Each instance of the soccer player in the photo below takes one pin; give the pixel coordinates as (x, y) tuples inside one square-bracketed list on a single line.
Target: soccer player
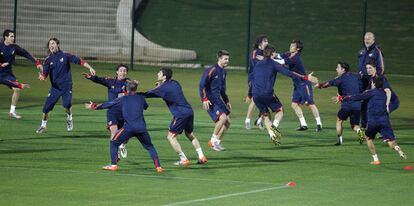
[(257, 55), (370, 52), (302, 90), (8, 51), (263, 93), (347, 84), (116, 88), (393, 101), (133, 106), (183, 116), (378, 118), (215, 100), (57, 66)]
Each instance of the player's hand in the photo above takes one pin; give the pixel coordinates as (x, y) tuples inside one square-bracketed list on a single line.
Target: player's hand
[(41, 77), (337, 99), (86, 75), (92, 71), (248, 99), (4, 64), (40, 67), (90, 105), (259, 57), (318, 85), (229, 105), (25, 86), (206, 104), (312, 78)]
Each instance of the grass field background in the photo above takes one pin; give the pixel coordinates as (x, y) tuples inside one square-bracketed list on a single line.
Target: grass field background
[(63, 168)]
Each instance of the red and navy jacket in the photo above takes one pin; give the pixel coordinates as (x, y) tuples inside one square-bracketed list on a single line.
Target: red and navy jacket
[(171, 92), (114, 85), (295, 64), (7, 55), (366, 54), (213, 84), (348, 84), (265, 76), (377, 108), (133, 106), (387, 85), (57, 67)]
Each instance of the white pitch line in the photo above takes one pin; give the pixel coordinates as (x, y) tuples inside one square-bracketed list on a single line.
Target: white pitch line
[(155, 176), (225, 196)]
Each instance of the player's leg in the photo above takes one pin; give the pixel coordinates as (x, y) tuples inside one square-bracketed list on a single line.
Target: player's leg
[(67, 105), (308, 96), (118, 138), (250, 110), (14, 100), (299, 113), (220, 127), (50, 103), (355, 118), (370, 133), (189, 128), (339, 131), (387, 134), (145, 140)]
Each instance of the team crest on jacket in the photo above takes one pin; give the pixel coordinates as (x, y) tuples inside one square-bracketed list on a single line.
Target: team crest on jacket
[(110, 123), (13, 52), (61, 59), (215, 77), (217, 112), (370, 55), (51, 63)]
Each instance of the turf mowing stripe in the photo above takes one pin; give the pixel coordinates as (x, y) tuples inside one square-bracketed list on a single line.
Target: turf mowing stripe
[(138, 175), (225, 196)]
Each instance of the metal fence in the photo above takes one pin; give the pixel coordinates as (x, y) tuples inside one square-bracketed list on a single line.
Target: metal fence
[(191, 31)]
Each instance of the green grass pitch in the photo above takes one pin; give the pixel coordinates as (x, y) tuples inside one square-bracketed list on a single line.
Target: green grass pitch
[(63, 168)]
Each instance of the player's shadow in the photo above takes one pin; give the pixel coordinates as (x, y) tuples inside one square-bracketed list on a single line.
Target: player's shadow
[(24, 151)]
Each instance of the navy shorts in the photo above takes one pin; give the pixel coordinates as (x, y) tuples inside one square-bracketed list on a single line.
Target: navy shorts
[(55, 94), (303, 94), (9, 80), (114, 117), (180, 124), (384, 128), (264, 102), (217, 109), (354, 114)]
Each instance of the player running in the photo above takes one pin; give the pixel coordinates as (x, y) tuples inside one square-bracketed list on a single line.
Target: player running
[(183, 116), (215, 100), (263, 93), (57, 67), (378, 118), (302, 90), (116, 88), (348, 84), (8, 51), (257, 55), (133, 106)]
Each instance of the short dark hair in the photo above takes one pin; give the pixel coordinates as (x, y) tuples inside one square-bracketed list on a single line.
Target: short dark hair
[(122, 65), (299, 44), (259, 40), (344, 65), (378, 81), (167, 72), (131, 86), (7, 32), (269, 50), (222, 53), (372, 63)]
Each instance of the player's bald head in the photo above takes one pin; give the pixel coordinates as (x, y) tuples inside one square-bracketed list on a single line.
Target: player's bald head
[(369, 39)]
